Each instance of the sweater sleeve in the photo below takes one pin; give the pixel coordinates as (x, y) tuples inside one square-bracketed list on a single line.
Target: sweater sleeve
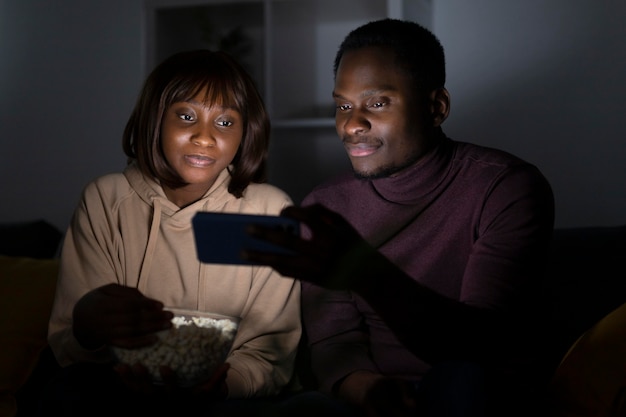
[(336, 335), (85, 264), (512, 233)]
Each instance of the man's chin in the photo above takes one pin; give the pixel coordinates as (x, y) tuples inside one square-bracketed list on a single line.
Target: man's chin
[(370, 175), (377, 173)]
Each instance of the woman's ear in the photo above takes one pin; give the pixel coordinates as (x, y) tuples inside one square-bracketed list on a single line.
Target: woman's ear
[(439, 106)]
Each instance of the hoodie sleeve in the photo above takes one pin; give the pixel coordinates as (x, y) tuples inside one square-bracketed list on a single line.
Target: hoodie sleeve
[(264, 352), (263, 357), (86, 263)]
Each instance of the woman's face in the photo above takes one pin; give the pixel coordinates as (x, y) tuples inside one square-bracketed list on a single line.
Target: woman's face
[(199, 141)]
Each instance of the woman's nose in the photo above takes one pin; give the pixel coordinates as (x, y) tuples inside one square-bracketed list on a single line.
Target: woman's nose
[(203, 137)]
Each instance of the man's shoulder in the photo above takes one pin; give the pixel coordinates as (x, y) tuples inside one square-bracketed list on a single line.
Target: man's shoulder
[(489, 168), (489, 163), (485, 154), (336, 187)]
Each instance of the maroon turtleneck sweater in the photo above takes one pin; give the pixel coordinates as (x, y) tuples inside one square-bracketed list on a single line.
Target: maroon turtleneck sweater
[(471, 223)]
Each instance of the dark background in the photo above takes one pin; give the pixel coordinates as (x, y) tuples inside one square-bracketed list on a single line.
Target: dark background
[(542, 79)]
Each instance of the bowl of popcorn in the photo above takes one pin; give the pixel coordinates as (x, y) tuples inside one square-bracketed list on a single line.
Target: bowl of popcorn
[(194, 347)]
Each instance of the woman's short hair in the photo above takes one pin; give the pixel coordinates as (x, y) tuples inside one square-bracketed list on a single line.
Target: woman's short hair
[(181, 77)]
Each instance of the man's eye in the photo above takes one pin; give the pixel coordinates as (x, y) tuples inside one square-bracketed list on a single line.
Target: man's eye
[(378, 104), (343, 107)]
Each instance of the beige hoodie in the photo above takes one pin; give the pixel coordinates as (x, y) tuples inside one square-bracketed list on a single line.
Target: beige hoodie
[(126, 231)]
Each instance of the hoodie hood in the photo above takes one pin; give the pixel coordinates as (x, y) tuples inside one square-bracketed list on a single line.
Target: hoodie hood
[(166, 214)]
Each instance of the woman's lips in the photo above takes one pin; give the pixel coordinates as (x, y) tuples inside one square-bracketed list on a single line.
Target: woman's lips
[(200, 161)]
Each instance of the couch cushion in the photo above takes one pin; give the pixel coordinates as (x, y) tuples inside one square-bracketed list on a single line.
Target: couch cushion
[(27, 286)]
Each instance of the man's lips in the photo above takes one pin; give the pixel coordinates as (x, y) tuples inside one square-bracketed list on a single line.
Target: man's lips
[(199, 160), (361, 149)]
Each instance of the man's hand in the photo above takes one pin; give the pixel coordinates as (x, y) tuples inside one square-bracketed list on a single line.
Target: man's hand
[(330, 249), (378, 395), (391, 397)]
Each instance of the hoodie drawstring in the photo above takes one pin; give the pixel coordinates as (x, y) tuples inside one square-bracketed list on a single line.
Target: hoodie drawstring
[(152, 240)]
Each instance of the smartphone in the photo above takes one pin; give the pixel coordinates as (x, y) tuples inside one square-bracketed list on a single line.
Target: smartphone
[(221, 237)]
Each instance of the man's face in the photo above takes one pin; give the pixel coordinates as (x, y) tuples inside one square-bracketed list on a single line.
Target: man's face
[(382, 125)]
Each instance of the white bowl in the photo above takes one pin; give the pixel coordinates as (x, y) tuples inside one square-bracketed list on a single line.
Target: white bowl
[(196, 345)]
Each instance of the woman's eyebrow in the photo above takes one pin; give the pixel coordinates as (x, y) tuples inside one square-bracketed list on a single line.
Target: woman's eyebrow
[(207, 104)]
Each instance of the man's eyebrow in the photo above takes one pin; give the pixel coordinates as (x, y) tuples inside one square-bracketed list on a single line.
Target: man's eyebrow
[(371, 92)]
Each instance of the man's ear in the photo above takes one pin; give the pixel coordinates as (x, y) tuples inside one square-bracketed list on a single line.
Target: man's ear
[(439, 106)]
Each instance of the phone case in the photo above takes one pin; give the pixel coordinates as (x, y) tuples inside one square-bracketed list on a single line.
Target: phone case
[(220, 237)]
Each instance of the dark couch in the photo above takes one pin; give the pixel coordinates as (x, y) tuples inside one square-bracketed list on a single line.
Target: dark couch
[(586, 279), (28, 271)]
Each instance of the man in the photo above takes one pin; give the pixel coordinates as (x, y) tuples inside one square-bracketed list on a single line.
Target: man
[(420, 270)]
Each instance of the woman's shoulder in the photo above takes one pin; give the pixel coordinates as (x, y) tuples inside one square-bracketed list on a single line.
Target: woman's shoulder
[(265, 190), (112, 181), (107, 189), (265, 198)]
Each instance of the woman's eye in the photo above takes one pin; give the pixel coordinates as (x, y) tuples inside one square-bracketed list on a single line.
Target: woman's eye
[(185, 116), (225, 123)]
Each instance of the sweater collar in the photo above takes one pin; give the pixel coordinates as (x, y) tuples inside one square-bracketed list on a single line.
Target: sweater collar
[(420, 179)]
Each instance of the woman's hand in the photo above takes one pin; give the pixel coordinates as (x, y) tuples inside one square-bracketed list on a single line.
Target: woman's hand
[(136, 378), (119, 316)]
